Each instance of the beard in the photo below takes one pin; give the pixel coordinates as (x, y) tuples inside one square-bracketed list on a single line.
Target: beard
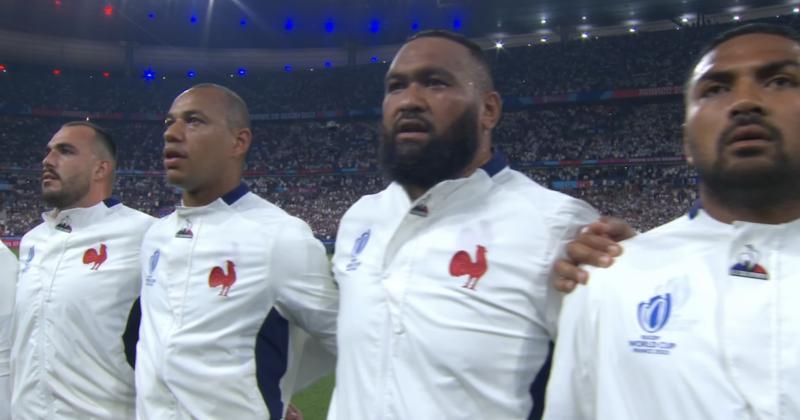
[(424, 164), (70, 193), (756, 188)]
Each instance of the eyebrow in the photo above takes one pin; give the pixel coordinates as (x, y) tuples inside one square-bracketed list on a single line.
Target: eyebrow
[(187, 113), (417, 73), (727, 76)]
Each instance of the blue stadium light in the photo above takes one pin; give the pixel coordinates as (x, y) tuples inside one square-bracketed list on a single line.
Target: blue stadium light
[(287, 68), (151, 15), (191, 74), (328, 64), (414, 26), (193, 19), (329, 26), (373, 59), (374, 26), (456, 24), (288, 25), (149, 74), (242, 71), (243, 22)]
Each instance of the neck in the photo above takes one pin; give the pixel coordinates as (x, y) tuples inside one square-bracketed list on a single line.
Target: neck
[(764, 207), (204, 196)]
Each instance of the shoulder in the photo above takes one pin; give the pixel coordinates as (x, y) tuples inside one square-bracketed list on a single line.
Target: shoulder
[(133, 216)]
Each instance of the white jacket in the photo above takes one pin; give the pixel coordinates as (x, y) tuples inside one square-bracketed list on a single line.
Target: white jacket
[(8, 281), (447, 306), (222, 286), (697, 320), (78, 279)]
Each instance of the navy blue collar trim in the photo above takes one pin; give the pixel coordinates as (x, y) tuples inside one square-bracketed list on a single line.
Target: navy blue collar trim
[(695, 210), (111, 201), (497, 163), (235, 194)]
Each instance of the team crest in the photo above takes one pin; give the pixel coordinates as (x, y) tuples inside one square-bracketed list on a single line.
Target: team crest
[(94, 257), (358, 247), (186, 231), (462, 265), (64, 225), (150, 280), (218, 278), (747, 265)]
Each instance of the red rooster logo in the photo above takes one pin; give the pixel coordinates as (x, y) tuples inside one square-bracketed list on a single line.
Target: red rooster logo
[(462, 264), (96, 259), (217, 277)]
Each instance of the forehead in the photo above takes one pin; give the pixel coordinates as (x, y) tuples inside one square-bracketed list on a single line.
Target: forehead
[(78, 136), (747, 52), (205, 100), (431, 53)]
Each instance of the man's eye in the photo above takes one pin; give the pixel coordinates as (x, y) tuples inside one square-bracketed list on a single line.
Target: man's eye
[(713, 90), (782, 81)]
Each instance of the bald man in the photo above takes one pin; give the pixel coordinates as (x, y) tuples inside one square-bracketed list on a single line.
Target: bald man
[(226, 279), (78, 282)]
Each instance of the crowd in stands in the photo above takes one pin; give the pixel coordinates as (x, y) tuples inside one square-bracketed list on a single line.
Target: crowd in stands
[(315, 169)]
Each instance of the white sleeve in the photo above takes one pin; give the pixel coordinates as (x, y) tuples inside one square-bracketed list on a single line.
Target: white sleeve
[(306, 293), (567, 223), (571, 390), (8, 282)]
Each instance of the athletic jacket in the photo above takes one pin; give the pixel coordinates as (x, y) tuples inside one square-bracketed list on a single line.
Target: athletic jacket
[(8, 281), (222, 284), (78, 280), (697, 320), (447, 306)]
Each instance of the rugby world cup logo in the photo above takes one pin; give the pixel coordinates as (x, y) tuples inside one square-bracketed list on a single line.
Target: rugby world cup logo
[(654, 314)]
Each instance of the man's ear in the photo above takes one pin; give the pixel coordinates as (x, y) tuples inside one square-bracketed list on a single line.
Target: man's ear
[(242, 140), (492, 108)]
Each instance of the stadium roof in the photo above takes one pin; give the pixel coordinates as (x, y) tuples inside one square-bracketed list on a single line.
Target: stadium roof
[(333, 23)]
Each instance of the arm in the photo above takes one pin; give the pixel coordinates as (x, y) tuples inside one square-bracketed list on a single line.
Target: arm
[(305, 291), (597, 245), (571, 391)]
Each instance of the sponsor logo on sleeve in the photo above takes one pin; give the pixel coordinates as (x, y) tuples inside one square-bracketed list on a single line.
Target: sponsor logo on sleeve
[(29, 258)]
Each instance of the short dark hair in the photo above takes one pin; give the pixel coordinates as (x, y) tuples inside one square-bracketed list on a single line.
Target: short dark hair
[(474, 49), (748, 29), (102, 135), (238, 116)]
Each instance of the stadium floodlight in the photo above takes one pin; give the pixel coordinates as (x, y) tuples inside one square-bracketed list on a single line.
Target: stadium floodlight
[(191, 74), (685, 19), (632, 30), (585, 35), (543, 39), (736, 18), (149, 74), (543, 21), (796, 10), (498, 44), (583, 18), (242, 72)]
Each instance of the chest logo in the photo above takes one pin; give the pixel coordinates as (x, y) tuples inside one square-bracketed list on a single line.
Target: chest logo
[(358, 247), (747, 265), (218, 277), (150, 280), (64, 225), (186, 231), (95, 258), (462, 264), (654, 314)]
